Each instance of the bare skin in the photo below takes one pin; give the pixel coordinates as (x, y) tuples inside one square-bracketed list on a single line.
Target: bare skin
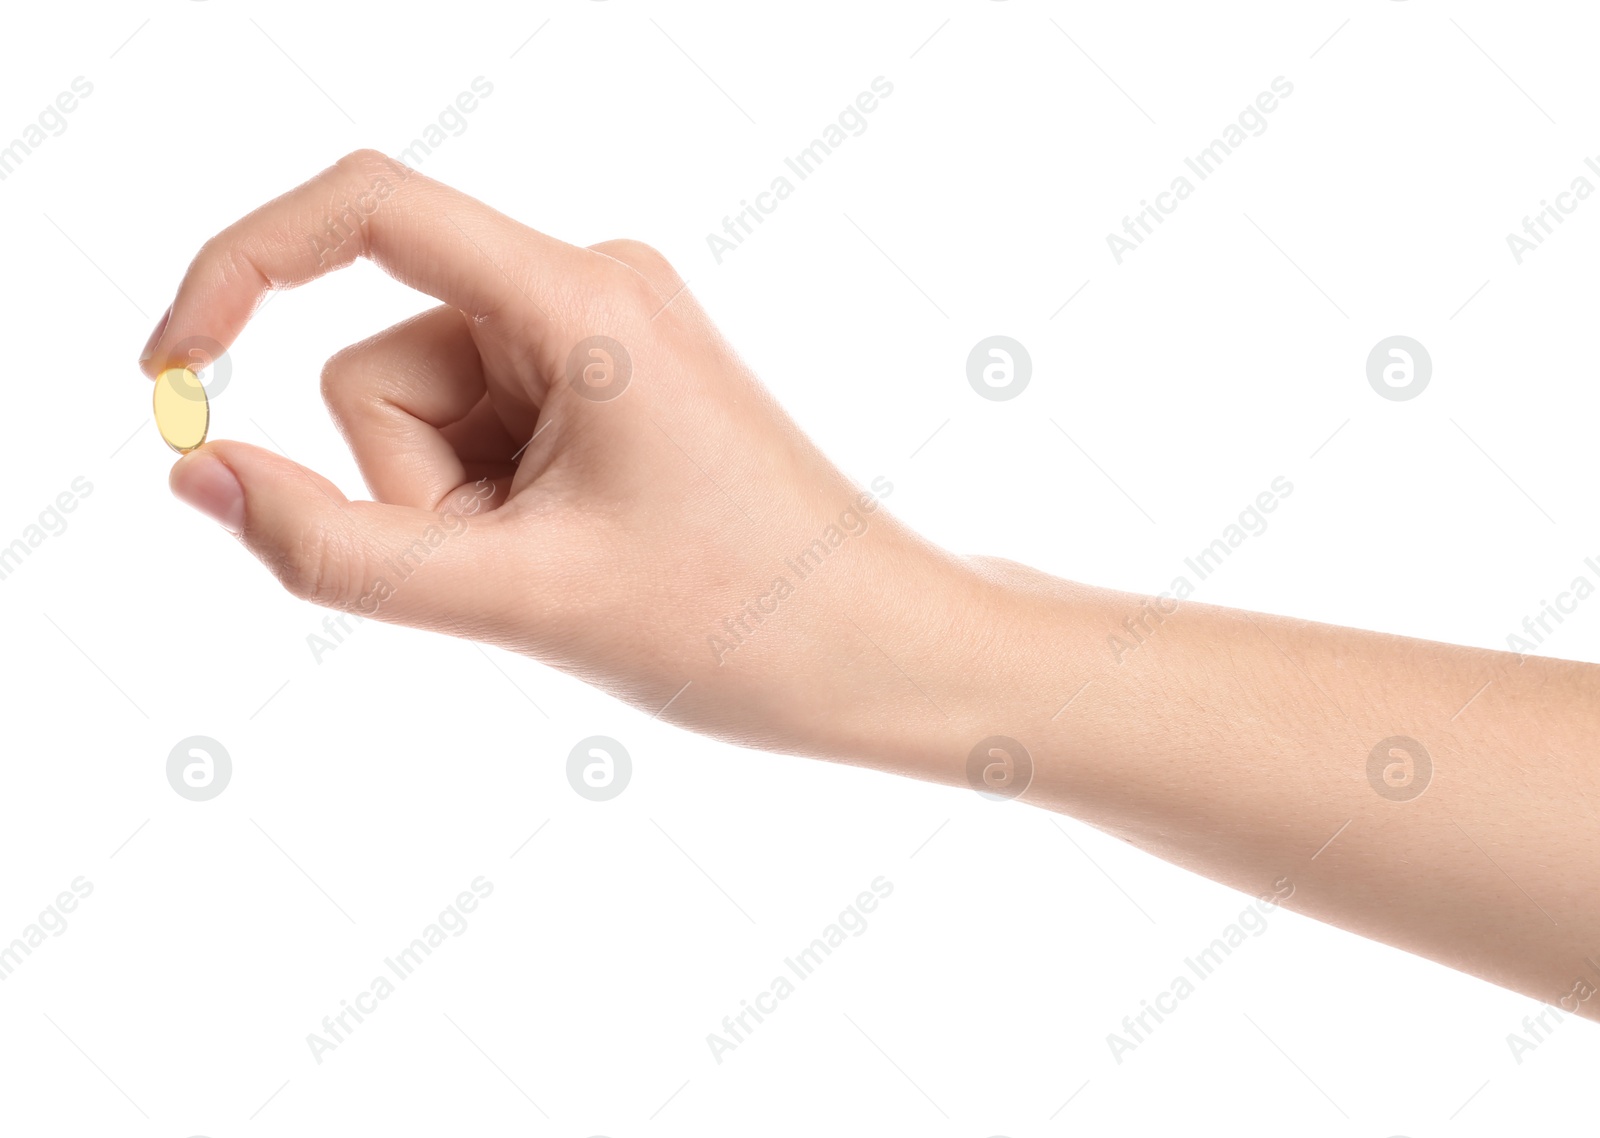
[(637, 539)]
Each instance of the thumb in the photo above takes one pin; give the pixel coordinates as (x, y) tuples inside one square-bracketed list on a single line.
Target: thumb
[(398, 563)]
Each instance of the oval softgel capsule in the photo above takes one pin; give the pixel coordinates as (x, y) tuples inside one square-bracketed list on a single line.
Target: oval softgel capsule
[(182, 411)]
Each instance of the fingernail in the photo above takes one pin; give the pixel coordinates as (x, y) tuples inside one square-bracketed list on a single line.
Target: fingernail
[(150, 345), (206, 483)]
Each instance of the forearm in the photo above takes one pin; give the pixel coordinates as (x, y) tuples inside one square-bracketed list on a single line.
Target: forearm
[(1240, 746)]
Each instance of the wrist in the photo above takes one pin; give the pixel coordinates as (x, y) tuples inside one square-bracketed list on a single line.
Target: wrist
[(963, 671)]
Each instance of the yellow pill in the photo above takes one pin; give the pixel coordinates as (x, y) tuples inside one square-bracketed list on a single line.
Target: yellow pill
[(182, 411)]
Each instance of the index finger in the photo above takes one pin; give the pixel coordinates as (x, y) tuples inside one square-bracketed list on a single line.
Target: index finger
[(421, 232)]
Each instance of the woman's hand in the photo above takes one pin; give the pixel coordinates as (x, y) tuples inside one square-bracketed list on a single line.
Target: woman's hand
[(566, 460)]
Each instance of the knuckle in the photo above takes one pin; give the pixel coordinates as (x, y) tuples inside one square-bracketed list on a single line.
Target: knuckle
[(624, 289), (637, 274), (364, 161), (220, 258), (645, 258), (317, 568), (336, 374), (636, 294), (227, 257)]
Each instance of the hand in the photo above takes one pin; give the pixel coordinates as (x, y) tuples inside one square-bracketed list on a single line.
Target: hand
[(637, 511)]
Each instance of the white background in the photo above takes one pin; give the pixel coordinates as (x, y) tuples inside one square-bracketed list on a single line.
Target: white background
[(372, 787)]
